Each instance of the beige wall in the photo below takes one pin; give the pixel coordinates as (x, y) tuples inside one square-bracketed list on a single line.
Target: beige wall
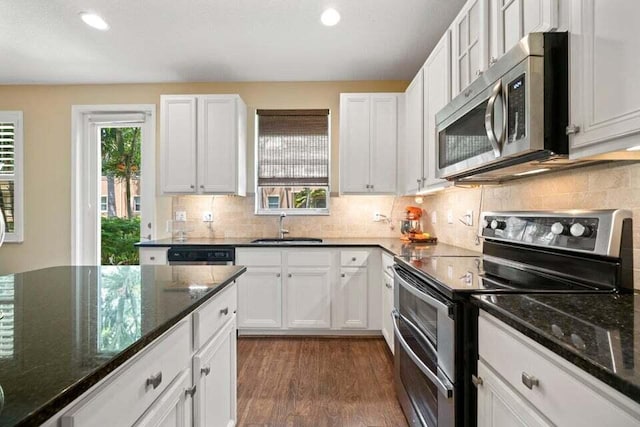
[(606, 186), (47, 137)]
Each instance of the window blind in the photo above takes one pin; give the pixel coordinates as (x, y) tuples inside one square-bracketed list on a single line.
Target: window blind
[(7, 148), (7, 172), (293, 148)]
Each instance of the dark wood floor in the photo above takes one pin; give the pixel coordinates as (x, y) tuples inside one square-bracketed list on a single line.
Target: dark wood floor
[(316, 382)]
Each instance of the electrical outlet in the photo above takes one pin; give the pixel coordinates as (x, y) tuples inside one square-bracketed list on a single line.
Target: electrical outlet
[(376, 217), (468, 216), (207, 216), (181, 215), (434, 218), (450, 217)]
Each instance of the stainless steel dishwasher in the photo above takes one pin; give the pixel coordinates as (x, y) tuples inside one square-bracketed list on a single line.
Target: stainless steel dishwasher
[(201, 255)]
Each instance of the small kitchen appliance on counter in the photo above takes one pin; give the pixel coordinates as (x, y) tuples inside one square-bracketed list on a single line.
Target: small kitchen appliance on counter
[(435, 320), (411, 226)]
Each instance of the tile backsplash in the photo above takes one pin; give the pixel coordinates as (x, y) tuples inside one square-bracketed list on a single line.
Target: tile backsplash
[(351, 216)]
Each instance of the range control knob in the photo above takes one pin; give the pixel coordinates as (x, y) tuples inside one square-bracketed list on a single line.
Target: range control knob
[(498, 225), (558, 228), (579, 230)]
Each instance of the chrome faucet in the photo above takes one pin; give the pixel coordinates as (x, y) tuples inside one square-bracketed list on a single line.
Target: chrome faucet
[(282, 230)]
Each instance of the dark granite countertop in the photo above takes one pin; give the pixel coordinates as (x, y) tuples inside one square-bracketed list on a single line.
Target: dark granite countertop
[(600, 333), (66, 328), (393, 246)]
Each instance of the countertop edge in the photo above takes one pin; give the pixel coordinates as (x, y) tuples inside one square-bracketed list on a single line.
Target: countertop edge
[(601, 373), (69, 395)]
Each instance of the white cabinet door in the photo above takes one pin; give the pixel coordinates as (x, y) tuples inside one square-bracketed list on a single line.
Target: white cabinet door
[(308, 294), (214, 371), (353, 298), (605, 95), (470, 35), (260, 298), (355, 134), (387, 308), (437, 93), (217, 144), (500, 406), (517, 18), (173, 408), (412, 161), (153, 256), (384, 143), (178, 133)]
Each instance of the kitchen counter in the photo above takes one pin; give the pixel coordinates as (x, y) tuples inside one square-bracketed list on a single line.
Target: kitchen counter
[(608, 334), (393, 246), (66, 328)]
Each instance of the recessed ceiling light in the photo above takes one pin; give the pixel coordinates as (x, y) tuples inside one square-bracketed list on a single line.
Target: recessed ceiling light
[(94, 21), (636, 148), (330, 17), (531, 172)]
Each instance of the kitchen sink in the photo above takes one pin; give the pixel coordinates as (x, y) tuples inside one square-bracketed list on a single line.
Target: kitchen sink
[(288, 240)]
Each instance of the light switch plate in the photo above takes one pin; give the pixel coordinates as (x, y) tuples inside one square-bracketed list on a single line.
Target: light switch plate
[(181, 215), (450, 217), (207, 216)]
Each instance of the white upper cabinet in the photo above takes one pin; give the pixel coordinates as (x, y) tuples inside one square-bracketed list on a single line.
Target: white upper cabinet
[(605, 95), (203, 144), (437, 94), (470, 38), (368, 142), (514, 19), (411, 165)]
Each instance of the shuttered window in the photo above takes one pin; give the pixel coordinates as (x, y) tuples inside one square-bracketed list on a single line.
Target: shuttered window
[(11, 173), (293, 160)]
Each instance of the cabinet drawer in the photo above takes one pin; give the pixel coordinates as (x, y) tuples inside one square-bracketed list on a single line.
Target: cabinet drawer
[(387, 263), (565, 394), (153, 256), (259, 257), (125, 396), (213, 315), (309, 258), (353, 258)]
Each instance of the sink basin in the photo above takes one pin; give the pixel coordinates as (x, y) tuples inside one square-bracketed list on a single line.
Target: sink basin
[(288, 240)]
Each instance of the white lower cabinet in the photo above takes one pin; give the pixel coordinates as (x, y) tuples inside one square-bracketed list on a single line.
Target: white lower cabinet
[(352, 297), (153, 256), (308, 294), (260, 298), (157, 386), (387, 308), (173, 408), (523, 383), (214, 368)]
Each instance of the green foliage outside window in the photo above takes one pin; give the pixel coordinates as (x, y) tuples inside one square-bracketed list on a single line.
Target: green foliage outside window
[(118, 238)]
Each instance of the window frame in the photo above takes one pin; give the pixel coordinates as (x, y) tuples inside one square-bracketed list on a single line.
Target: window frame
[(106, 203), (17, 236), (139, 204), (290, 211)]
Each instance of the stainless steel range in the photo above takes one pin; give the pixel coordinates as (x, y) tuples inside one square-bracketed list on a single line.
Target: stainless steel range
[(523, 252)]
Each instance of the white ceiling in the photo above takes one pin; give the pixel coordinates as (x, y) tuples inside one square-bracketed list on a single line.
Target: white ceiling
[(44, 41)]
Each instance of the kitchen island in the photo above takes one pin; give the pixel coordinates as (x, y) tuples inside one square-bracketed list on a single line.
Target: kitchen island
[(65, 329)]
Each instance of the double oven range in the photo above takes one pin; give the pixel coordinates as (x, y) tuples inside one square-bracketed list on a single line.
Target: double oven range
[(435, 320)]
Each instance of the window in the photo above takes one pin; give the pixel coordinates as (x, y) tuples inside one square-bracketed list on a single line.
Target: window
[(104, 203), (11, 173), (292, 162), (136, 203)]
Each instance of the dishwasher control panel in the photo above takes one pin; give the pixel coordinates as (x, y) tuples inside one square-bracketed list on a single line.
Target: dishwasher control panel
[(201, 255)]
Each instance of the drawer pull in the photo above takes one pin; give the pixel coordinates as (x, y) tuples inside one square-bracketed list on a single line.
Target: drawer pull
[(353, 259), (289, 275), (154, 380), (343, 275), (224, 311), (477, 381), (206, 370), (389, 267), (190, 391), (152, 258), (530, 381), (388, 285), (277, 274)]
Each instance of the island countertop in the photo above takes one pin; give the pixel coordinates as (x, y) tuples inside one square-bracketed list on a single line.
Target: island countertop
[(66, 328)]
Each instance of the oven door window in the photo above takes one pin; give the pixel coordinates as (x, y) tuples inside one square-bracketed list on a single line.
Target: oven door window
[(421, 391), (423, 315)]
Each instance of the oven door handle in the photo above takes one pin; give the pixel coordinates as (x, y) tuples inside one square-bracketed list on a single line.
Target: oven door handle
[(488, 120), (444, 386)]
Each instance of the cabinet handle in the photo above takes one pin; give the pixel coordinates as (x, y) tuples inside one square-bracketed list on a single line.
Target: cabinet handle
[(206, 370), (343, 275), (478, 73), (278, 275), (572, 129), (477, 381), (388, 285), (389, 267), (224, 311), (492, 60), (289, 275), (152, 258), (202, 186), (154, 380), (530, 381), (192, 186), (354, 259), (190, 391), (467, 93)]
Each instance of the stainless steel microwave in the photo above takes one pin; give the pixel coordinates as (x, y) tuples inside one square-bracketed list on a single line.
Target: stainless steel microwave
[(512, 120)]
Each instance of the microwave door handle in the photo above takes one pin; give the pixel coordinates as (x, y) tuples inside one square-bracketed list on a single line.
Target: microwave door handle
[(489, 116), (445, 388)]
